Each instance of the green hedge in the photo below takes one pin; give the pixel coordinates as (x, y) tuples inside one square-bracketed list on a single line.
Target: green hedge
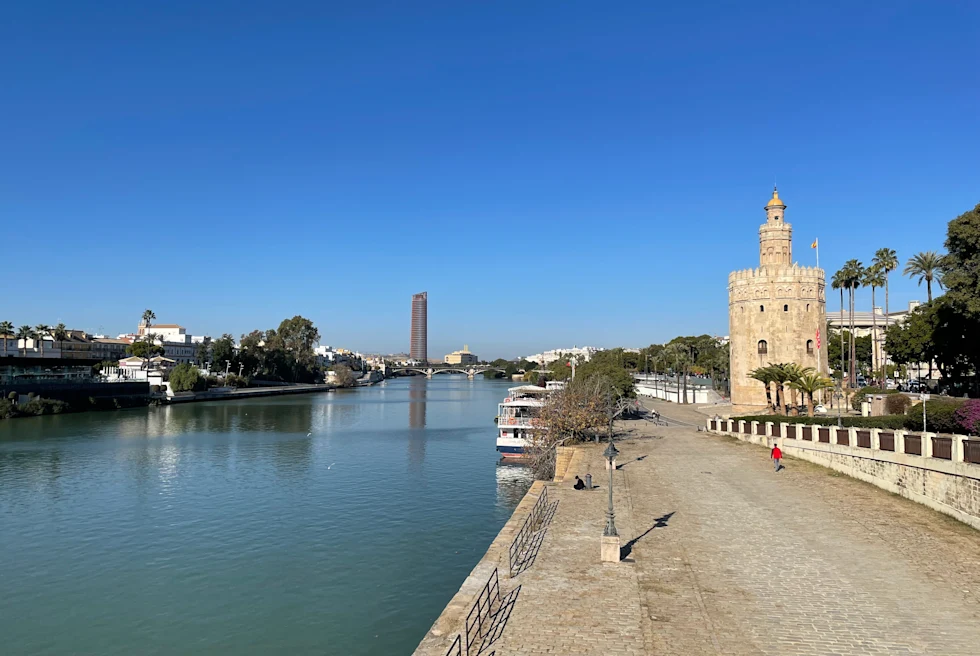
[(892, 422), (940, 416)]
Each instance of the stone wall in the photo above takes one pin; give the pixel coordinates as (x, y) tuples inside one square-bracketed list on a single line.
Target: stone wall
[(883, 458)]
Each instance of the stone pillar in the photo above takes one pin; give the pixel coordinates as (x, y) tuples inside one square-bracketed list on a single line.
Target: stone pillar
[(769, 429), (958, 448), (899, 441), (741, 425), (927, 444), (852, 436), (833, 435), (876, 439), (609, 551)]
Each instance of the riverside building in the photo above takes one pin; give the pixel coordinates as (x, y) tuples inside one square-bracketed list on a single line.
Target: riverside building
[(776, 312), (419, 349)]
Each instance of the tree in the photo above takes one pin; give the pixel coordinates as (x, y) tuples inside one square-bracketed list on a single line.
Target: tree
[(148, 318), (145, 349), (874, 277), (853, 271), (202, 351), (910, 342), (839, 281), (6, 330), (766, 376), (41, 330), (25, 333), (786, 374), (223, 352), (926, 266), (887, 261), (343, 376), (60, 332), (186, 378), (809, 383), (618, 378), (959, 314)]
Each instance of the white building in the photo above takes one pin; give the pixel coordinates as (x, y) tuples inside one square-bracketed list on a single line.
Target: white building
[(583, 354), (177, 344), (875, 324)]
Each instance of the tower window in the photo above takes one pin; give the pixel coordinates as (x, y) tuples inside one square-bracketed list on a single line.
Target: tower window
[(763, 347), (807, 307), (762, 308), (809, 347), (785, 308)]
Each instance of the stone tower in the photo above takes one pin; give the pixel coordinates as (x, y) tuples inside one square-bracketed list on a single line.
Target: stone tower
[(777, 312)]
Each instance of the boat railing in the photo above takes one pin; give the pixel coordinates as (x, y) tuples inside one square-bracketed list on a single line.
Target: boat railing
[(520, 422)]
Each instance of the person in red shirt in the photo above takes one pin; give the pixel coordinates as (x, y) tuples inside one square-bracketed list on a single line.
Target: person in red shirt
[(776, 455)]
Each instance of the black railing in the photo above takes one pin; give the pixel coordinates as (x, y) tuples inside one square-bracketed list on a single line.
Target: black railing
[(519, 554), (457, 648), (479, 621)]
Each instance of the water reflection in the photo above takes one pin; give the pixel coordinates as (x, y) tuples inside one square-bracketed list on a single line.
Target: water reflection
[(513, 481), (416, 423)]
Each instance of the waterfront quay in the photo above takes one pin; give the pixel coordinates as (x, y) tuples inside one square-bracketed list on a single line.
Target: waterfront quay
[(722, 555)]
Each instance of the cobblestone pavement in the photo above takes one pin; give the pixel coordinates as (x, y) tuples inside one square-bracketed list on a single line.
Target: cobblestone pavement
[(729, 557)]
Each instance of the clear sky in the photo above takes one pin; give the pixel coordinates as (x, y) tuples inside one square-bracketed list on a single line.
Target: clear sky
[(552, 173)]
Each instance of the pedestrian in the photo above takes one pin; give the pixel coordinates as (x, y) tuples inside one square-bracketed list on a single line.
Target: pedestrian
[(776, 455), (579, 484)]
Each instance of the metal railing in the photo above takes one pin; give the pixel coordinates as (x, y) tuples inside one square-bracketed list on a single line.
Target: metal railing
[(519, 422), (535, 520), (971, 451), (457, 647), (480, 618), (942, 447)]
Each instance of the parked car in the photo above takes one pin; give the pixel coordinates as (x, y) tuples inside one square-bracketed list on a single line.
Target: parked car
[(819, 409)]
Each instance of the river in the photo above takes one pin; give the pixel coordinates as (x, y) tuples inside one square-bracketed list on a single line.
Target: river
[(336, 523)]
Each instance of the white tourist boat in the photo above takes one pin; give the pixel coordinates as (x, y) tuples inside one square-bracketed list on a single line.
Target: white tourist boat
[(517, 417)]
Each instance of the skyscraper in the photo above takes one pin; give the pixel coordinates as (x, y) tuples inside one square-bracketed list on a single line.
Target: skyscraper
[(420, 334)]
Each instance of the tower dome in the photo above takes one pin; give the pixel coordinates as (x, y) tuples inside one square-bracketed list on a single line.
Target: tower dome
[(775, 201)]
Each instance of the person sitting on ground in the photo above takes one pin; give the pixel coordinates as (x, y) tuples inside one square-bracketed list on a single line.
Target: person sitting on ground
[(579, 483)]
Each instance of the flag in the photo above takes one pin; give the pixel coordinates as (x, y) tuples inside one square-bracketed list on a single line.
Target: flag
[(814, 244), (818, 338)]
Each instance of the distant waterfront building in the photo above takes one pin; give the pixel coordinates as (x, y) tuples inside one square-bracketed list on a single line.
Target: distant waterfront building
[(584, 354), (462, 357), (776, 312), (419, 349), (177, 344)]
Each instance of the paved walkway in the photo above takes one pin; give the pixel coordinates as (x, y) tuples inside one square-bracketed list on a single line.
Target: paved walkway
[(729, 557)]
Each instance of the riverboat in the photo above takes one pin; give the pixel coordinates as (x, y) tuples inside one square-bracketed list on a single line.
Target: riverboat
[(518, 417)]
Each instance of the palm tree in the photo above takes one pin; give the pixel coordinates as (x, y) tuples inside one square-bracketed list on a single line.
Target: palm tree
[(854, 272), (786, 374), (874, 277), (809, 383), (148, 317), (839, 281), (6, 330), (925, 266), (887, 260), (25, 333), (766, 376), (60, 332), (40, 330)]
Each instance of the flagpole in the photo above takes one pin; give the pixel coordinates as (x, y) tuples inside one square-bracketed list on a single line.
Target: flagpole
[(818, 252)]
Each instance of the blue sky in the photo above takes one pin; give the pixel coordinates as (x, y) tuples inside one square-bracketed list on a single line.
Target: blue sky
[(552, 173)]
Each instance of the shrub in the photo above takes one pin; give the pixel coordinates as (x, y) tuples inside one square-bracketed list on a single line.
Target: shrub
[(212, 381), (890, 422), (186, 378), (897, 404), (234, 380), (42, 407), (968, 416), (12, 397), (155, 389), (7, 409), (940, 416)]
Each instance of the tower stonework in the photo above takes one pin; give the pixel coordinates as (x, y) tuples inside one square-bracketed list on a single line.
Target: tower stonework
[(776, 311)]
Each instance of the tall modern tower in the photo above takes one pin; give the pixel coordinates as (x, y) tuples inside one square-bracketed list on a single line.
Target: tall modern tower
[(420, 333)]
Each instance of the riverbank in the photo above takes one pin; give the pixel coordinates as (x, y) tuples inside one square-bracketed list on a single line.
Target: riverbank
[(247, 392), (720, 554)]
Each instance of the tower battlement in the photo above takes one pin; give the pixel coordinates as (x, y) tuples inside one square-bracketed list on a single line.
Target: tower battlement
[(769, 272)]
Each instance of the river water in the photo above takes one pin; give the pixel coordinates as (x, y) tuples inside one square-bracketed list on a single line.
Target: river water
[(336, 523)]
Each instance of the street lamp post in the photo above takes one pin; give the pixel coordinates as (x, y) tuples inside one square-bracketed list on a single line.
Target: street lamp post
[(610, 453), (610, 551), (838, 396)]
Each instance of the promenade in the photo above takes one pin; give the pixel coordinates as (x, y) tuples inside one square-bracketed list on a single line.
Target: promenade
[(727, 557)]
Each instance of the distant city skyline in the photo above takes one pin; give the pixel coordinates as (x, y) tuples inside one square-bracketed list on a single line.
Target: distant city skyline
[(553, 174)]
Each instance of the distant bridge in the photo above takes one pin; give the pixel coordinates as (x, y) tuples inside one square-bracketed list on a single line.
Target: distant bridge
[(430, 371)]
